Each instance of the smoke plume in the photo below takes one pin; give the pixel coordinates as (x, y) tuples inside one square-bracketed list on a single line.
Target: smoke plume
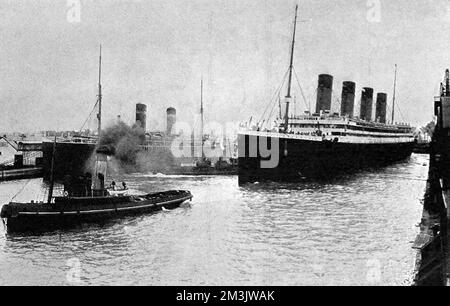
[(123, 141)]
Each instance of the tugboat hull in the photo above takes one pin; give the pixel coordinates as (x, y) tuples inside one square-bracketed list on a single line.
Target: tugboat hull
[(71, 212), (304, 159)]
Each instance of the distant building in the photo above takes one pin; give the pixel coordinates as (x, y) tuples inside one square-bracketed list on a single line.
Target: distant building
[(7, 151)]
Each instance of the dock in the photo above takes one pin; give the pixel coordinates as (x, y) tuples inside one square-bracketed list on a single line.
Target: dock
[(432, 243), (22, 173)]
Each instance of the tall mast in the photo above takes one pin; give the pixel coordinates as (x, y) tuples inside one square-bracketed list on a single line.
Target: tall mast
[(201, 112), (393, 96), (52, 175), (99, 97), (447, 83), (291, 67)]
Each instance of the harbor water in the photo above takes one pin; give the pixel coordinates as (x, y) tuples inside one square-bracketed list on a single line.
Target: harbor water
[(356, 230)]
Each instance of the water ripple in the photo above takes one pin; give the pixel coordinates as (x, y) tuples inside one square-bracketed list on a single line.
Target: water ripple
[(262, 234)]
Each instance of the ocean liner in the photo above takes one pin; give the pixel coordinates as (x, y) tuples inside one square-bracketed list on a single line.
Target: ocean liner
[(321, 145)]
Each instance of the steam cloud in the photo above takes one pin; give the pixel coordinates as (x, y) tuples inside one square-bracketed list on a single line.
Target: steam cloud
[(123, 141)]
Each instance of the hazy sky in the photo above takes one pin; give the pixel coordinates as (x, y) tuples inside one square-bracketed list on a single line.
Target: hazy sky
[(155, 52)]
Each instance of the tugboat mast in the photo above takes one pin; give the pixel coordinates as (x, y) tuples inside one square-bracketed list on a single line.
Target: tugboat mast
[(99, 97), (291, 67)]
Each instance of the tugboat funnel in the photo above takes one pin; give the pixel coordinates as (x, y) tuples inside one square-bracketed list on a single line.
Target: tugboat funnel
[(101, 167)]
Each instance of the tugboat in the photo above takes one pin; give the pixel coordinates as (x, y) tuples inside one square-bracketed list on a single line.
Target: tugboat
[(68, 212), (85, 200)]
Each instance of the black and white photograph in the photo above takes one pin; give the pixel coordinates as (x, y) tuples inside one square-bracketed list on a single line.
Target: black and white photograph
[(203, 145)]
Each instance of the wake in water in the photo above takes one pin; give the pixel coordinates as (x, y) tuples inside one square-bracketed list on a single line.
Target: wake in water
[(168, 176)]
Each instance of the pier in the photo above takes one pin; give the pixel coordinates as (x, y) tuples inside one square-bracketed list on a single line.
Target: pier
[(432, 243), (22, 173)]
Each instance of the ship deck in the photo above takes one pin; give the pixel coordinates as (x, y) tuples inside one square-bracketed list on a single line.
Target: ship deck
[(328, 136)]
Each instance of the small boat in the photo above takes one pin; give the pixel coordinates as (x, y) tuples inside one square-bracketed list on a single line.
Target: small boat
[(85, 199), (205, 168), (204, 165), (68, 212)]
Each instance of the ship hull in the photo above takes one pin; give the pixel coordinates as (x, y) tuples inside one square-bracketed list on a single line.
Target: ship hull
[(68, 213), (306, 159), (74, 159), (202, 172)]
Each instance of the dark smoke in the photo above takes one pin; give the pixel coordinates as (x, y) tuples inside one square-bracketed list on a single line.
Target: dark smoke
[(123, 141)]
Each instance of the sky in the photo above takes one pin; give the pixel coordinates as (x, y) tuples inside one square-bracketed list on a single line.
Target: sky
[(157, 51)]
